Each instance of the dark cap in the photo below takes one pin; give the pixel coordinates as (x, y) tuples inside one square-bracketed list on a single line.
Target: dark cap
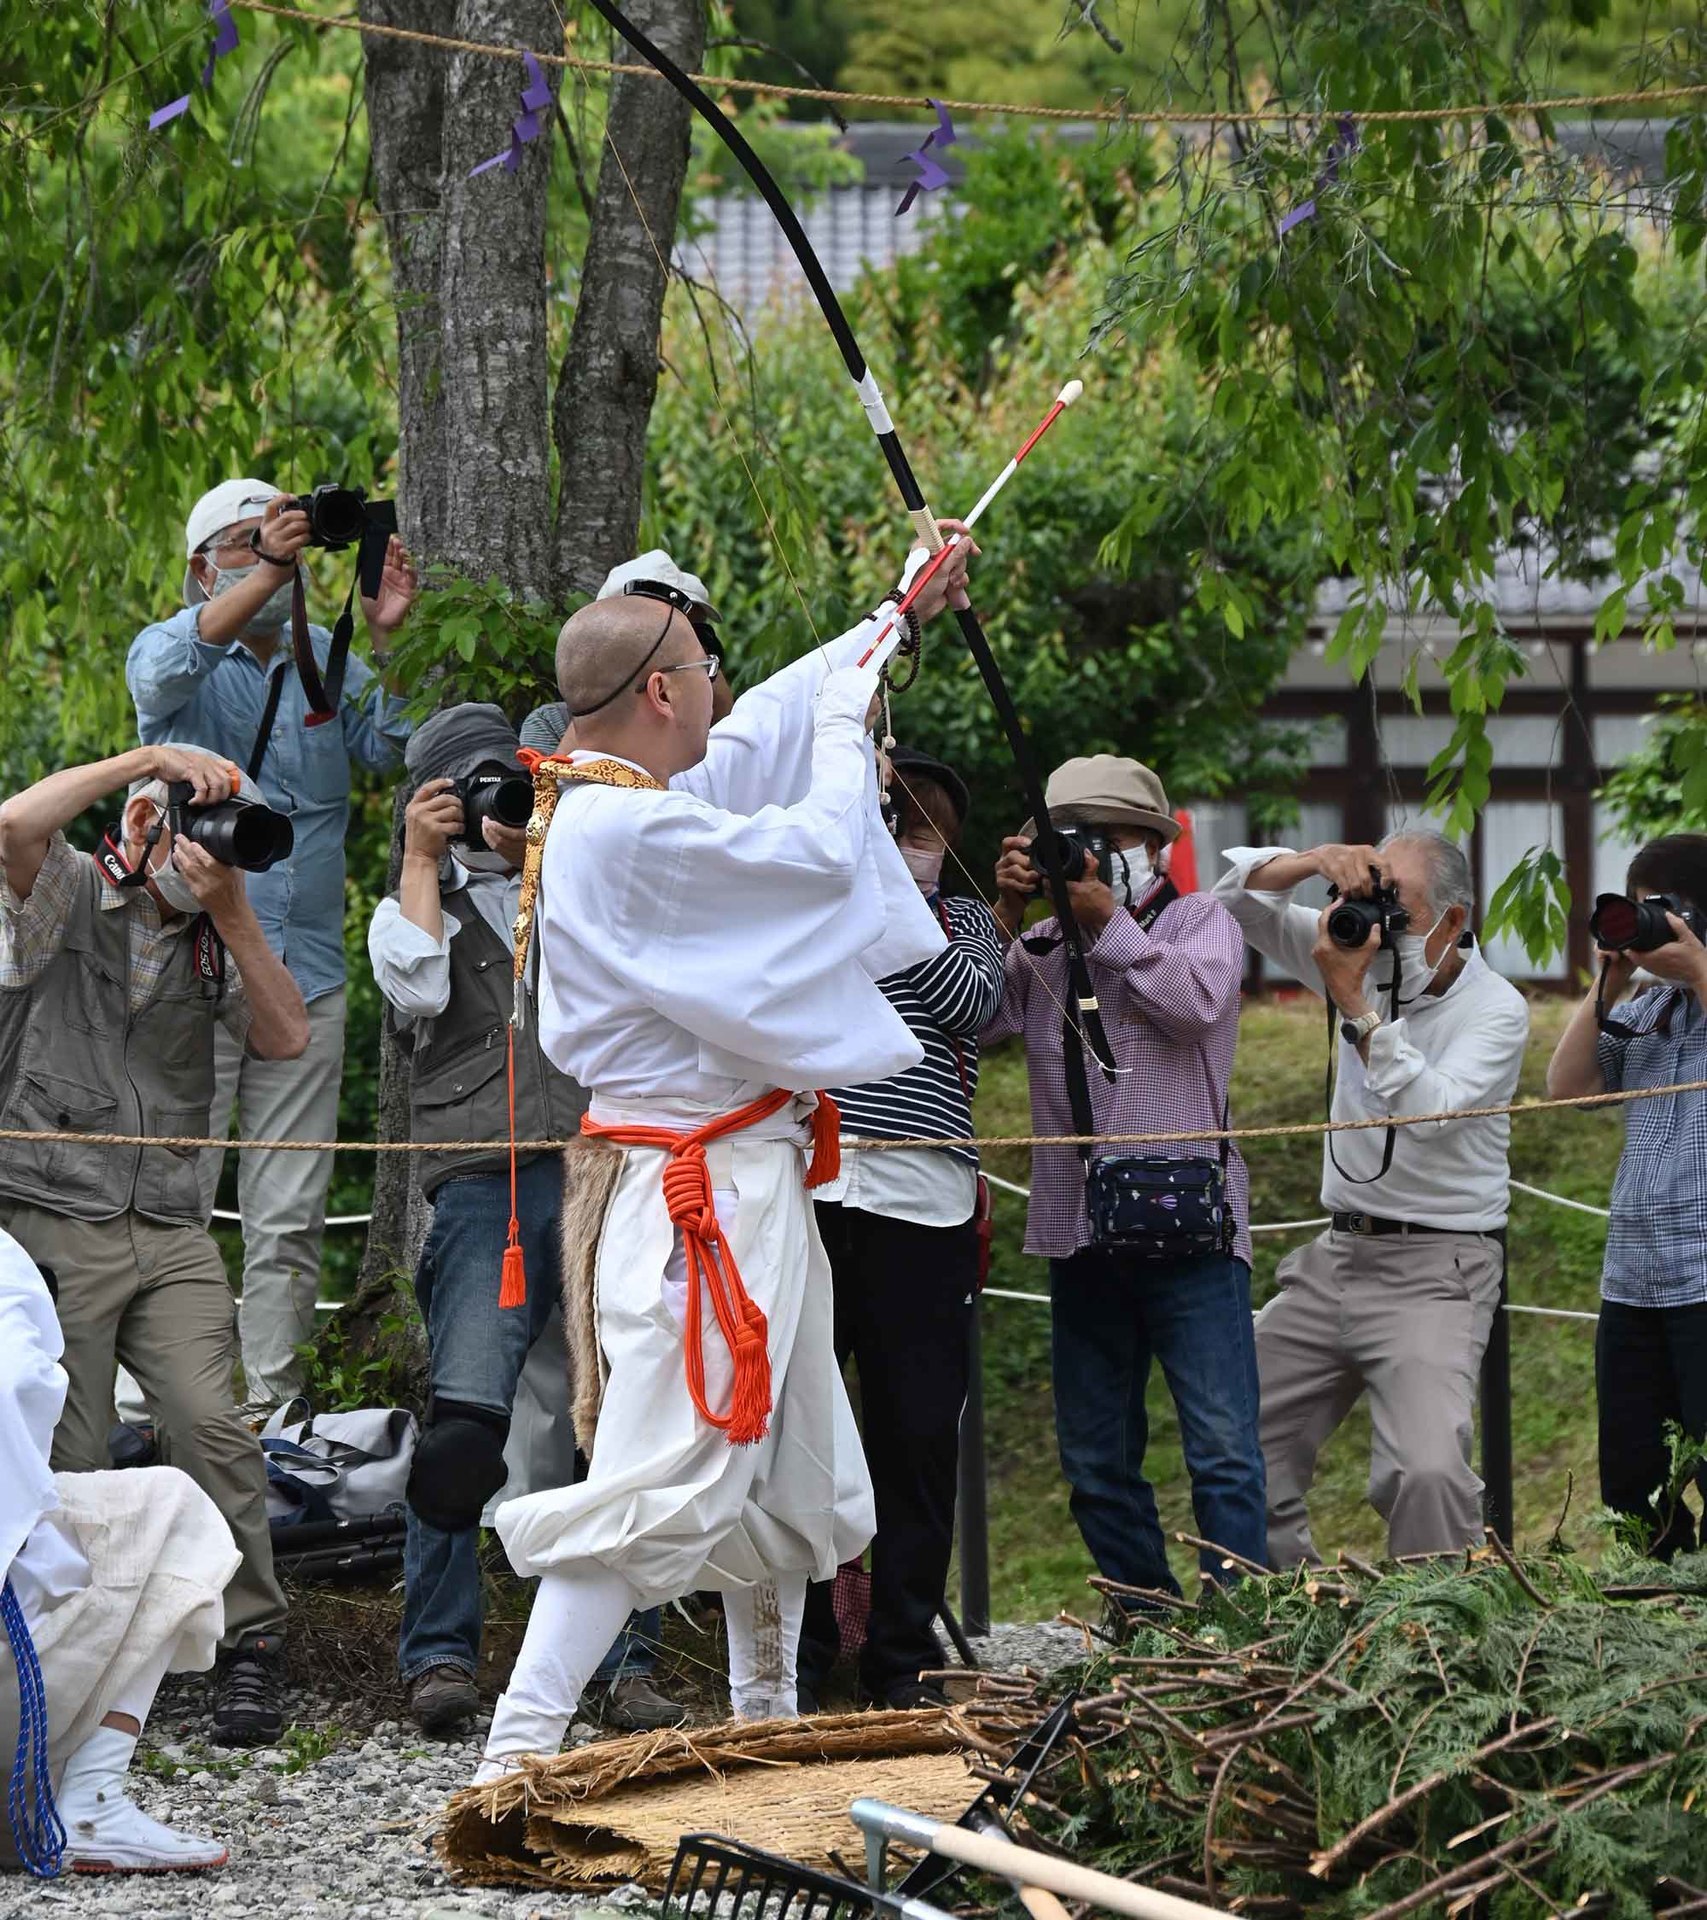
[(459, 740), (913, 762)]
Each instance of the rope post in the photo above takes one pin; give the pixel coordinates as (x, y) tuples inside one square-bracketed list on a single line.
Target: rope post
[(974, 1496), (1497, 1495)]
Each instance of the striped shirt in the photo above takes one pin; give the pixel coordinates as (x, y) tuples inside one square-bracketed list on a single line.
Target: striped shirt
[(944, 1000), (1170, 1005), (1656, 1240)]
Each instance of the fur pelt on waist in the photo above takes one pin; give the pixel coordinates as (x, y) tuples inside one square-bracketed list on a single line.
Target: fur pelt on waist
[(591, 1169)]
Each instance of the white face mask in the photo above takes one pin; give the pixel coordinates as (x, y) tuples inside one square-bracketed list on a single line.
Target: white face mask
[(272, 613), (925, 865), (482, 860), (1410, 951), (1133, 867), (173, 888)]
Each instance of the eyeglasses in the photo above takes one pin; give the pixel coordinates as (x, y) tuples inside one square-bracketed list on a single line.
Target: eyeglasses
[(710, 666)]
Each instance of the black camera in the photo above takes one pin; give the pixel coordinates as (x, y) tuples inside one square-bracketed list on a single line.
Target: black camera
[(238, 833), (1071, 844), (1354, 915), (337, 516), (506, 799), (1622, 925)]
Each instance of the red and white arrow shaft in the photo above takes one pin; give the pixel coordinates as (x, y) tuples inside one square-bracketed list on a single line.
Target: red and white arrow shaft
[(889, 634)]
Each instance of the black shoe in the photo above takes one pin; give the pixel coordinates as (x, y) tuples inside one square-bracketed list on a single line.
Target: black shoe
[(911, 1695), (806, 1698), (442, 1700), (247, 1683)]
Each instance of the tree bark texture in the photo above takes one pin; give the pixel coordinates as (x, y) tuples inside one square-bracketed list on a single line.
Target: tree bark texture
[(610, 373)]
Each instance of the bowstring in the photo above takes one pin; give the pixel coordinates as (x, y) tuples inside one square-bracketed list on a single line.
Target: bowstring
[(951, 853)]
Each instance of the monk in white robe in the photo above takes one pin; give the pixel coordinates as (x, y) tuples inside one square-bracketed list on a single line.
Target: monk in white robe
[(118, 1577), (716, 907)]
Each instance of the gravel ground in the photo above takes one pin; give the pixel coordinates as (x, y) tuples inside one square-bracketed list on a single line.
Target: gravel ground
[(336, 1823)]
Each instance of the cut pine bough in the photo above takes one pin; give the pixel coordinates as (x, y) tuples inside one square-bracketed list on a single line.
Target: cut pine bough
[(889, 635)]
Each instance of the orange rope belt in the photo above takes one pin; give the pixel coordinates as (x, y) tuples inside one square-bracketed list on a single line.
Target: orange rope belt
[(711, 1259)]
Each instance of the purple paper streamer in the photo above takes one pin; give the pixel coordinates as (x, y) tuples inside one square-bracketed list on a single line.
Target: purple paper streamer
[(224, 41), (536, 98), (1344, 144), (931, 175)]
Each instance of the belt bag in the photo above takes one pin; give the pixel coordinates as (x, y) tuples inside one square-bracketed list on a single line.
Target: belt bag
[(1155, 1209)]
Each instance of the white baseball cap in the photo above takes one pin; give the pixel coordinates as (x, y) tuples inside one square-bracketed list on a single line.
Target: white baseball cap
[(221, 507), (657, 568)]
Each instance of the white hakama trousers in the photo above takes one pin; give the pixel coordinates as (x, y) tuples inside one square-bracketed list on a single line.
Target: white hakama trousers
[(669, 1506)]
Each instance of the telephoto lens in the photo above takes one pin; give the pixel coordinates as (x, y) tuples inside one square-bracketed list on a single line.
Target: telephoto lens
[(506, 799), (1620, 924), (239, 833)]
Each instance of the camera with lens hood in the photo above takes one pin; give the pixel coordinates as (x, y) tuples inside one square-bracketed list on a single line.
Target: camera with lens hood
[(237, 833), (1621, 924), (1356, 915), (506, 799), (1071, 844)]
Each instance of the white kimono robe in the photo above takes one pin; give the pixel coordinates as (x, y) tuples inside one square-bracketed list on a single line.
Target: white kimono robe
[(700, 947), (119, 1575)]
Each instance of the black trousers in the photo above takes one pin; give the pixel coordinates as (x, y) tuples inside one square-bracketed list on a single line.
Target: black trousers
[(904, 1304), (1650, 1368)]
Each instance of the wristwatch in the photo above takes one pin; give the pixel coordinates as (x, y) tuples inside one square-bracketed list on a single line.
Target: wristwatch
[(1359, 1030)]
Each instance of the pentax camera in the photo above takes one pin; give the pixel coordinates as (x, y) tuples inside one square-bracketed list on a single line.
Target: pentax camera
[(337, 516), (1071, 844), (238, 833), (1622, 925), (506, 799), (1355, 914)]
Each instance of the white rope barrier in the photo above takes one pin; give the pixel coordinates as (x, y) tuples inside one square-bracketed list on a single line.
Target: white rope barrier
[(1559, 1200)]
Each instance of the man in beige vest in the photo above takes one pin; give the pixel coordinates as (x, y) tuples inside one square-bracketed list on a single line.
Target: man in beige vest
[(115, 969)]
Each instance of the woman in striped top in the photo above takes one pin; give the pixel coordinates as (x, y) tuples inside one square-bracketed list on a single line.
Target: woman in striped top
[(901, 1230)]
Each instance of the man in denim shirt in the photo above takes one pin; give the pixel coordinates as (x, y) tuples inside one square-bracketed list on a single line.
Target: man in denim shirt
[(206, 677), (1650, 1352)]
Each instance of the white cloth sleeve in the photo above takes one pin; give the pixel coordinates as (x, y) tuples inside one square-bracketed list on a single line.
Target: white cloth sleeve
[(410, 966), (1281, 930), (32, 1392), (1476, 1067)]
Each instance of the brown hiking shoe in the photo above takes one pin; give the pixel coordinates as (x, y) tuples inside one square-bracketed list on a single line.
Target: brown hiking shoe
[(442, 1700), (636, 1706)]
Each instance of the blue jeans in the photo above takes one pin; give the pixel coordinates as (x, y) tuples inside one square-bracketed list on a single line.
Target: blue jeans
[(1111, 1315), (477, 1353)]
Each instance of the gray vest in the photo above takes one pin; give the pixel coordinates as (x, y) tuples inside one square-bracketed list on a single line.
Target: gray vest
[(458, 1089), (75, 1059)]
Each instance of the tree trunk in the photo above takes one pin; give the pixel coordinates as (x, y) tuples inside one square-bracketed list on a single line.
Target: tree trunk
[(610, 373)]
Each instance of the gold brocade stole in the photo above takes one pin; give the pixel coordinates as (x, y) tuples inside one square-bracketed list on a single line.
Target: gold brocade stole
[(548, 777)]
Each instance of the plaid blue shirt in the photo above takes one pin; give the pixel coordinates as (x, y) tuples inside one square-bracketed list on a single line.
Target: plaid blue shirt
[(1656, 1241)]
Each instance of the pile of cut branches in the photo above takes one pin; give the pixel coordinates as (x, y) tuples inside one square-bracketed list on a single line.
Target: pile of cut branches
[(1469, 1735)]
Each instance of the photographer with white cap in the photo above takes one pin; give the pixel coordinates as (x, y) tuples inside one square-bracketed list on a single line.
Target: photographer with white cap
[(219, 674), (651, 576)]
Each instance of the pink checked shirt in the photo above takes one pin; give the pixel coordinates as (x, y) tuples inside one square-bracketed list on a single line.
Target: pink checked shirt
[(1170, 1004)]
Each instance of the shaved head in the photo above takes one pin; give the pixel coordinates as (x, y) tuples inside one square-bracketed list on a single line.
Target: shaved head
[(605, 647)]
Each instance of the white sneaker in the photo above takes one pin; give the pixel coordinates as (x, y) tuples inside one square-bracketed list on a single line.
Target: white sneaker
[(116, 1836)]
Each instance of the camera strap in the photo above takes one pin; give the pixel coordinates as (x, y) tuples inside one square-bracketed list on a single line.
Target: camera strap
[(1390, 1138), (264, 732), (116, 870), (325, 695), (210, 951), (1072, 1039)]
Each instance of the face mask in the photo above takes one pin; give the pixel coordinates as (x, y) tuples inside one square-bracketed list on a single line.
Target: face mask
[(1410, 951), (925, 865), (173, 888), (1132, 868), (482, 860), (273, 612)]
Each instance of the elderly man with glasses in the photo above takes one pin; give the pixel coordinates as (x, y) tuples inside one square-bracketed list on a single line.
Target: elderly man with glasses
[(219, 675)]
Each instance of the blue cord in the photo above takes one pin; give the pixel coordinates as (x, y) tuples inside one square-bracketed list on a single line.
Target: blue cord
[(38, 1832)]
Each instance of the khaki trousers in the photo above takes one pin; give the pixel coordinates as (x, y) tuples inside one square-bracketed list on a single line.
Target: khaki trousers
[(156, 1299), (1405, 1318)]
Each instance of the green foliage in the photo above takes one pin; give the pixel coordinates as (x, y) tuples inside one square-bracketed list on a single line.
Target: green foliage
[(1662, 788), (477, 640)]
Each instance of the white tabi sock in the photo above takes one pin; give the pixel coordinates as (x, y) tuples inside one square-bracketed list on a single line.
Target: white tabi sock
[(106, 1832), (577, 1613), (764, 1646)]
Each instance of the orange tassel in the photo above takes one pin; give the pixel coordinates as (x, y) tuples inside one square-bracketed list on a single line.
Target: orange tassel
[(826, 1143), (750, 1399), (513, 1289)]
